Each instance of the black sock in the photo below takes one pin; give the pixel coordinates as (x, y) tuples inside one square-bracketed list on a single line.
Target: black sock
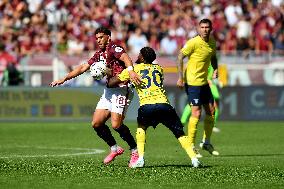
[(125, 134), (104, 133)]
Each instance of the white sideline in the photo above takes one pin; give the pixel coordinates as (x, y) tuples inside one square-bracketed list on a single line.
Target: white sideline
[(88, 151)]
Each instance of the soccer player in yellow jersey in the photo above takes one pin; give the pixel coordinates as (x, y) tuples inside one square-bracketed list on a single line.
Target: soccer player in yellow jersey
[(154, 105), (200, 51)]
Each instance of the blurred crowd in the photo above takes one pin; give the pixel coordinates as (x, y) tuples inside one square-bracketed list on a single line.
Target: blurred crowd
[(67, 26)]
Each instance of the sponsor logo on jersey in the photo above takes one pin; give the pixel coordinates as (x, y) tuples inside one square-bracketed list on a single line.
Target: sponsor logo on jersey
[(118, 49)]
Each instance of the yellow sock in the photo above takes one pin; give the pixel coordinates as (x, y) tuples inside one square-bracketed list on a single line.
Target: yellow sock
[(140, 138), (184, 141), (208, 127), (192, 129)]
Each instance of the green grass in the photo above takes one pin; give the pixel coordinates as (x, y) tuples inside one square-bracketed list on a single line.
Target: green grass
[(45, 155)]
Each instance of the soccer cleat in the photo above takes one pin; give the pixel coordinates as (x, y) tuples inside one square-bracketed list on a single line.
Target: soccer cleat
[(198, 155), (216, 130), (195, 162), (138, 163), (209, 148), (134, 158), (112, 155)]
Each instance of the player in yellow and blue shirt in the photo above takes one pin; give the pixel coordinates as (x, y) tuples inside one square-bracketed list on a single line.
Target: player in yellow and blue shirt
[(200, 51), (154, 105), (216, 95)]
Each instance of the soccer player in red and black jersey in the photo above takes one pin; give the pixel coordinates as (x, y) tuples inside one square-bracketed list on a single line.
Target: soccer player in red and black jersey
[(114, 101)]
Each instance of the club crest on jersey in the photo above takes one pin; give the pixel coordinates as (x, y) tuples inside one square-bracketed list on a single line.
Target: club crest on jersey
[(118, 49), (196, 100)]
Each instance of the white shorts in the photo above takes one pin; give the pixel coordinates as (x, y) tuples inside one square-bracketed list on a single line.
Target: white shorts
[(116, 100)]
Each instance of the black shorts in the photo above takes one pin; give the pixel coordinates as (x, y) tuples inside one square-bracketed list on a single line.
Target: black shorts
[(153, 114), (199, 95)]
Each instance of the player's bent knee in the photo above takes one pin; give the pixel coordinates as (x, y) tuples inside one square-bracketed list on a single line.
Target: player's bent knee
[(196, 113), (96, 124), (116, 125)]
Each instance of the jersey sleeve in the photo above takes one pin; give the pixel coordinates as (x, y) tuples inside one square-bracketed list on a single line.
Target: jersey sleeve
[(188, 48), (124, 75)]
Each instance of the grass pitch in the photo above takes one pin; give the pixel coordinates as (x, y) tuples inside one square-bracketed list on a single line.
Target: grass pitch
[(69, 155)]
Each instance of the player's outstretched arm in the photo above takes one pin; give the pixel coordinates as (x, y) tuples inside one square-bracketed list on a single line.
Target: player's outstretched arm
[(134, 77), (180, 82), (74, 73)]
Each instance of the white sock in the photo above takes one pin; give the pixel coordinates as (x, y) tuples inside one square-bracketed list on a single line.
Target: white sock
[(134, 150), (113, 148), (194, 159)]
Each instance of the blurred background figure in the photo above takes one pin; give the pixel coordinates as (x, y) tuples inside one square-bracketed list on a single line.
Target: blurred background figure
[(71, 82), (69, 26), (7, 62), (136, 41), (12, 76)]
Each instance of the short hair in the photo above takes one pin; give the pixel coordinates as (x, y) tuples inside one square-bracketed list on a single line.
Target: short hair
[(206, 20), (103, 30), (148, 54)]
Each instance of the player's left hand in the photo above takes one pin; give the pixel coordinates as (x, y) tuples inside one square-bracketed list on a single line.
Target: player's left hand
[(56, 83), (134, 77)]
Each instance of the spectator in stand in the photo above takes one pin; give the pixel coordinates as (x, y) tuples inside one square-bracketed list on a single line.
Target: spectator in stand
[(5, 57), (169, 45), (154, 42), (243, 47), (263, 42), (232, 11), (244, 28), (229, 45), (62, 46), (279, 44), (136, 41), (81, 18), (74, 45)]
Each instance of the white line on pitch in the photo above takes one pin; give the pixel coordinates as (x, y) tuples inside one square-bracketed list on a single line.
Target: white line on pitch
[(89, 152)]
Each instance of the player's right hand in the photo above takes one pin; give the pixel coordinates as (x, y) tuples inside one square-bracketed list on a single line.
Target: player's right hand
[(55, 83), (108, 72), (134, 77), (180, 83)]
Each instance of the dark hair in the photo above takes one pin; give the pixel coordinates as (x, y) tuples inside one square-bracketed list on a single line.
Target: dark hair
[(2, 47), (148, 54), (206, 20), (103, 30)]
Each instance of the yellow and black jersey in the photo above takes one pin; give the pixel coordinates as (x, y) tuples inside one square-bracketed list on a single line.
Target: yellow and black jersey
[(151, 90)]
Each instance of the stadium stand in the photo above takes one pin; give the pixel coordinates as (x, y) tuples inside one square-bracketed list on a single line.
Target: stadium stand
[(45, 28)]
